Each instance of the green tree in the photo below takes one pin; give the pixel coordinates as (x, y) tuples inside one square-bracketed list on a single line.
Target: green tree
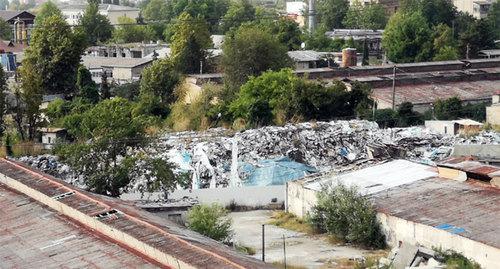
[(343, 212), (157, 87), (287, 31), (210, 10), (249, 52), (371, 16), (86, 87), (109, 130), (54, 55), (210, 220), (3, 107), (96, 27), (449, 109), (494, 18), (444, 43), (31, 96), (319, 41), (239, 12), (331, 13), (129, 31), (156, 10), (476, 37), (5, 30), (407, 38), (190, 43), (406, 115), (46, 10), (434, 11)]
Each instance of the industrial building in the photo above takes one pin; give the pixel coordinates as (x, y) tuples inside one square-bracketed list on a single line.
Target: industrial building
[(47, 223), (454, 206)]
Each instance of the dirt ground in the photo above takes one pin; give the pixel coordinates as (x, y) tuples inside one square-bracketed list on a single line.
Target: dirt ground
[(302, 250)]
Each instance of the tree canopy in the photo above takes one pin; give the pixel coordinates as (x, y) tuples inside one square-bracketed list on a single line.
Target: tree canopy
[(371, 16), (331, 13), (47, 10), (249, 51), (239, 12), (190, 42), (129, 31), (5, 30), (96, 27)]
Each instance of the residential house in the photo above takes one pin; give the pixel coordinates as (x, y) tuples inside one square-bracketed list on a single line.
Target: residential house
[(453, 127), (51, 136), (74, 12), (22, 23), (493, 111), (120, 71), (477, 8)]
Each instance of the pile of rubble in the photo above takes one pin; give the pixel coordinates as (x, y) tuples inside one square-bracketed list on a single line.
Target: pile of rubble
[(51, 165), (217, 157)]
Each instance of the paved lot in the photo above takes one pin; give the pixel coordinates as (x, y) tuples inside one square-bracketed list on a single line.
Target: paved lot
[(301, 249)]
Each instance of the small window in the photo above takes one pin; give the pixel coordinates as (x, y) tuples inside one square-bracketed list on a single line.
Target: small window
[(445, 130), (50, 140)]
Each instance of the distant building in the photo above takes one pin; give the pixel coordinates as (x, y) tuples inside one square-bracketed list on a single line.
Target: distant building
[(494, 53), (310, 59), (74, 12), (453, 127), (295, 10), (120, 71), (477, 8), (493, 111), (47, 99), (127, 50), (51, 136), (373, 37), (22, 23)]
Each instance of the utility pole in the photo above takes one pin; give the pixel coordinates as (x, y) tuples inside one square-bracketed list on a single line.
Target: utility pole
[(263, 245), (201, 67), (467, 52), (284, 251), (394, 88)]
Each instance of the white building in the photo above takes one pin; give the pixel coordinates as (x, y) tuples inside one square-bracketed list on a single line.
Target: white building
[(118, 70), (477, 8), (73, 13)]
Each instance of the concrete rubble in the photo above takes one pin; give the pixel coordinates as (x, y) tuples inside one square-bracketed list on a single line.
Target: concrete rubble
[(215, 158)]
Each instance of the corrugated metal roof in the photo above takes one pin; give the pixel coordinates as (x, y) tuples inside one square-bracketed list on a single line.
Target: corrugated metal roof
[(91, 62), (161, 234), (34, 236), (473, 168), (469, 209), (378, 177)]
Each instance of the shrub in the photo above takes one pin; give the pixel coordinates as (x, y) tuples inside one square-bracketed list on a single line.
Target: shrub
[(211, 221), (455, 260), (343, 212)]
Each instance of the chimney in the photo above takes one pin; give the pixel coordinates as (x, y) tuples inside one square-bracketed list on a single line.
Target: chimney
[(349, 57), (312, 16)]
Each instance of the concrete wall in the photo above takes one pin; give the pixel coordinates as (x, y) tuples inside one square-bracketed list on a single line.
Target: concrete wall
[(397, 229), (299, 200), (252, 196), (441, 126), (493, 114)]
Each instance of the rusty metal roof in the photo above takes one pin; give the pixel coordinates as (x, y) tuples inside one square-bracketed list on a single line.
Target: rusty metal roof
[(184, 245), (428, 93), (469, 209), (474, 169), (35, 236)]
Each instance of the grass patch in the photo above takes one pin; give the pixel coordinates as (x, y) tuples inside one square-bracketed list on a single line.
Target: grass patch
[(291, 222), (281, 265), (244, 249)]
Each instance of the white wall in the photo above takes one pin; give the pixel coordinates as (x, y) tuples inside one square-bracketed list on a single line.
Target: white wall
[(397, 229), (299, 200)]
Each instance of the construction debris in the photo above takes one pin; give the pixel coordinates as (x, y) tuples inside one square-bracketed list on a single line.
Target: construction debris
[(219, 157)]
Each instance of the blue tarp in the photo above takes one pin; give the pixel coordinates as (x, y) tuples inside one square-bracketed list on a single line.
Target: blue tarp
[(274, 172)]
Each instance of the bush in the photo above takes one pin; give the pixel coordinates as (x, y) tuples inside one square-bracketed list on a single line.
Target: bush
[(211, 221), (455, 260), (344, 213)]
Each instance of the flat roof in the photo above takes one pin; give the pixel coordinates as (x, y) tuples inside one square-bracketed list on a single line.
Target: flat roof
[(145, 232), (35, 236), (469, 209), (378, 177), (428, 93), (92, 62)]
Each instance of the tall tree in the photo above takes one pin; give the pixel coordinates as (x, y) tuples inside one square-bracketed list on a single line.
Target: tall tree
[(54, 55), (331, 13), (478, 36), (190, 43), (434, 11), (96, 27), (239, 12), (369, 16), (157, 87), (249, 52), (210, 10), (287, 32), (156, 10), (444, 43), (5, 30), (494, 18), (47, 10), (407, 38), (87, 89), (129, 31)]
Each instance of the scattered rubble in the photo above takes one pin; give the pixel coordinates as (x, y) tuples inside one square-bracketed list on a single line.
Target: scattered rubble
[(218, 157)]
